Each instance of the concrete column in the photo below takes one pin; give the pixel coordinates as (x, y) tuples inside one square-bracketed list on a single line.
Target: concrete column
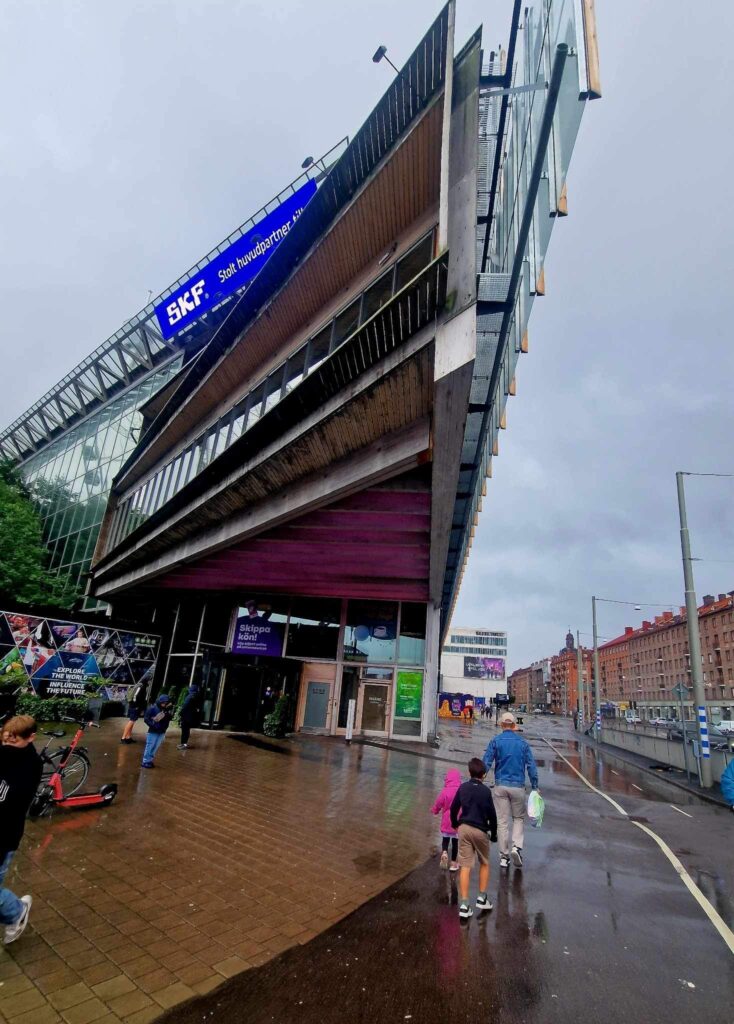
[(430, 678)]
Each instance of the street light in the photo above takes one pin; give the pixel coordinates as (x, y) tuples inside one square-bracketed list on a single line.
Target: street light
[(694, 637), (380, 54)]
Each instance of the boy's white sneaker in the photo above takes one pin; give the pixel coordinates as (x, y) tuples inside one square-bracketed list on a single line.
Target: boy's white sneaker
[(465, 911), (14, 931), (483, 902)]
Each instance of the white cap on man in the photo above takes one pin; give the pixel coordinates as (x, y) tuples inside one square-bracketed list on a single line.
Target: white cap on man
[(507, 718)]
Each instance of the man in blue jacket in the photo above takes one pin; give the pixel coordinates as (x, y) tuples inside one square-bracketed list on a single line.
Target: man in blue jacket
[(511, 757), (157, 718)]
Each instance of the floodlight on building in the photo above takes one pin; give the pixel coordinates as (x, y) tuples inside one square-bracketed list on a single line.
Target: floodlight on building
[(381, 52), (307, 162)]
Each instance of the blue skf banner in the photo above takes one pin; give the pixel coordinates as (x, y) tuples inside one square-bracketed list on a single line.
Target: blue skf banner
[(233, 268)]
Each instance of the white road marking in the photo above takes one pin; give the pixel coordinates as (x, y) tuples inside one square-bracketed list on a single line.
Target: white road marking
[(713, 915), (680, 811), (613, 771), (637, 787), (709, 910), (583, 778)]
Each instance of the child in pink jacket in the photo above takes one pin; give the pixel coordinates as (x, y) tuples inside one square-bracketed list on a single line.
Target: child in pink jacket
[(442, 806)]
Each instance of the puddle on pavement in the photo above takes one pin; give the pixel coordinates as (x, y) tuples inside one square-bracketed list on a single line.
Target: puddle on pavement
[(369, 863), (261, 744)]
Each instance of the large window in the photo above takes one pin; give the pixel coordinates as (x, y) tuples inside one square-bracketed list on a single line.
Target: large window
[(371, 631), (313, 631), (412, 646)]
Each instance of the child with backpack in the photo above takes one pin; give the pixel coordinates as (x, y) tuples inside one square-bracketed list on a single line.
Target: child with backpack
[(442, 806)]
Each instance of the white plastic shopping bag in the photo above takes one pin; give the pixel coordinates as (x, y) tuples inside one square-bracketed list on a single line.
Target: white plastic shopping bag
[(536, 809)]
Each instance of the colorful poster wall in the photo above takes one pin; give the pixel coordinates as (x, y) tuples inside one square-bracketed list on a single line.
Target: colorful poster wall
[(453, 705), (56, 658), (484, 668)]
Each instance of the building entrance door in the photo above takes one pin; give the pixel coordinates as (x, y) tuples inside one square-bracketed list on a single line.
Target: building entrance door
[(317, 705), (373, 709)]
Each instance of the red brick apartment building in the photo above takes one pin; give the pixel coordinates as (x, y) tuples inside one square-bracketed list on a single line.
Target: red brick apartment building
[(642, 666)]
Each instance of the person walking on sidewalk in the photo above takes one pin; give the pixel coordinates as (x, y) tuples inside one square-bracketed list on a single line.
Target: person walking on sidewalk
[(20, 775), (190, 713), (512, 757), (157, 718), (135, 709), (474, 818), (442, 806)]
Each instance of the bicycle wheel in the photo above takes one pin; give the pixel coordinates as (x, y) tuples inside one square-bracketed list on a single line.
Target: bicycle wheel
[(73, 776)]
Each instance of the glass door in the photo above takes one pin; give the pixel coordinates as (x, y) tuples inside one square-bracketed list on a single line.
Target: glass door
[(374, 702), (375, 697)]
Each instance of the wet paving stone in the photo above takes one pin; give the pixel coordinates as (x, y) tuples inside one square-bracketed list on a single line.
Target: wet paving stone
[(227, 855)]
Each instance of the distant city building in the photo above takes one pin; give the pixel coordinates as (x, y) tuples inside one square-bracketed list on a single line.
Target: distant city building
[(474, 661), (564, 680), (531, 686), (641, 667)]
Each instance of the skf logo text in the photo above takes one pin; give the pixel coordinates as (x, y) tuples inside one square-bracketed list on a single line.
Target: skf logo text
[(185, 303)]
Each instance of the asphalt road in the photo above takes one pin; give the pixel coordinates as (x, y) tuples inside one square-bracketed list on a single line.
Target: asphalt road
[(599, 926)]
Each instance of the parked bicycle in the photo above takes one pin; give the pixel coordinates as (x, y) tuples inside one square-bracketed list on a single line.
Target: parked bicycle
[(75, 768), (51, 792)]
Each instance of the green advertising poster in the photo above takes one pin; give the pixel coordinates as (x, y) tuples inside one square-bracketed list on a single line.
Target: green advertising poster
[(409, 695)]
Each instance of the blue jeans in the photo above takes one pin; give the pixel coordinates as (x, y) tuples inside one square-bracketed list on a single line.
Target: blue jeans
[(152, 743), (10, 906)]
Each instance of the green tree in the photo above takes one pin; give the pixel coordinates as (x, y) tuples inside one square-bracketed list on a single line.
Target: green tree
[(24, 575)]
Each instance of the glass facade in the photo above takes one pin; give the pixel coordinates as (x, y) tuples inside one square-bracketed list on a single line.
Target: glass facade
[(70, 479), (184, 466)]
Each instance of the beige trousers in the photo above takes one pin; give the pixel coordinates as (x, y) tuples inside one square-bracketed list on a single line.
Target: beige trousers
[(509, 802)]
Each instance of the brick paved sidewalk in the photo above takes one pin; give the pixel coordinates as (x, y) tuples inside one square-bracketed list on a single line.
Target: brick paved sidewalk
[(218, 860)]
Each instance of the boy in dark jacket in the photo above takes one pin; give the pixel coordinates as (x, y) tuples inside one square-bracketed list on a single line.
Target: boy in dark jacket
[(473, 815), (157, 717), (20, 774)]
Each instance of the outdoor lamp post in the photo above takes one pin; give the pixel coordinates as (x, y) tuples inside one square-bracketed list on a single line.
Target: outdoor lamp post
[(694, 637)]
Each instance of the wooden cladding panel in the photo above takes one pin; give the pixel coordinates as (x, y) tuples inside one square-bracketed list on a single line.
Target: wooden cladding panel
[(385, 408)]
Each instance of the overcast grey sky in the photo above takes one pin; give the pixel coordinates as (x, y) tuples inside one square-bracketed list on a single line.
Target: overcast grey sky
[(137, 135)]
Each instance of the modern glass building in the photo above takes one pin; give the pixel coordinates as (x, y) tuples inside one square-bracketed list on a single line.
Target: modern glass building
[(300, 510), (70, 444)]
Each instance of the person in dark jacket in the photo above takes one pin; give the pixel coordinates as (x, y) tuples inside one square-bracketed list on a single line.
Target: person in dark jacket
[(474, 817), (137, 703), (157, 717), (190, 715), (20, 775)]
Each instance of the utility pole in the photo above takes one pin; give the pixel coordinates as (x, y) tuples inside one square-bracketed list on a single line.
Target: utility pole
[(694, 638), (580, 672), (597, 702)]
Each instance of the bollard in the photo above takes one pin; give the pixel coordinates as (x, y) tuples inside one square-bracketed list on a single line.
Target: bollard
[(350, 720)]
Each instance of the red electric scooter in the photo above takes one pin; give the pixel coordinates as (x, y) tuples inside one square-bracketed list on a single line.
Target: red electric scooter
[(51, 793)]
